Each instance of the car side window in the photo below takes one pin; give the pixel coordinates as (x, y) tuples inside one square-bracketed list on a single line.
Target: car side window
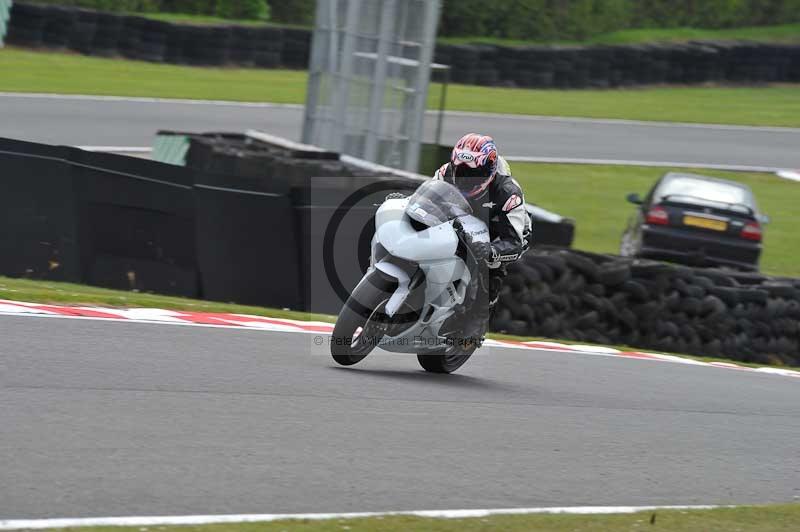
[(650, 195)]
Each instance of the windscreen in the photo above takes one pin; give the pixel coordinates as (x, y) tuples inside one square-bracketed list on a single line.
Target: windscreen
[(436, 202), (701, 189)]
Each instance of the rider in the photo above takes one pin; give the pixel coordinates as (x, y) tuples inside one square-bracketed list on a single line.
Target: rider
[(484, 178)]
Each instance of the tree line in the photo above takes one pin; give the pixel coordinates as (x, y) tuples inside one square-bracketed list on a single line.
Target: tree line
[(535, 20)]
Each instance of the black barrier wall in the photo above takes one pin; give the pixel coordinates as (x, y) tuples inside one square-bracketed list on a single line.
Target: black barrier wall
[(133, 218), (318, 185), (246, 242), (129, 223), (39, 233), (611, 300), (108, 34), (101, 219)]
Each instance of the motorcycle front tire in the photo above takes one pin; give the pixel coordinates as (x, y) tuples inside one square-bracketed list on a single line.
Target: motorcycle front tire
[(375, 290)]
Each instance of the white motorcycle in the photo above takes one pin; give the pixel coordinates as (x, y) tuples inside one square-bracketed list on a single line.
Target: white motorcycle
[(421, 273)]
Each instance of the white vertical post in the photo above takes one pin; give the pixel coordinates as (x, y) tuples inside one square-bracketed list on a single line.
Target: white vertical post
[(423, 80), (378, 95), (345, 72)]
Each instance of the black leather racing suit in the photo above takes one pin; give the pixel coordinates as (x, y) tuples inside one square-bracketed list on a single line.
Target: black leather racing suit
[(502, 209)]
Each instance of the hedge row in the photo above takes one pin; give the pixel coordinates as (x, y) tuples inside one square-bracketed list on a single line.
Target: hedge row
[(107, 34), (549, 20), (606, 299), (540, 20)]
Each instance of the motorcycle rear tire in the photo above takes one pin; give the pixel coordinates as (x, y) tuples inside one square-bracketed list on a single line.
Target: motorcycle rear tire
[(445, 360), (356, 312)]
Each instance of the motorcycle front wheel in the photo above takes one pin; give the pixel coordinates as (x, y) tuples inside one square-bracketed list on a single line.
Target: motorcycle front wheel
[(359, 325)]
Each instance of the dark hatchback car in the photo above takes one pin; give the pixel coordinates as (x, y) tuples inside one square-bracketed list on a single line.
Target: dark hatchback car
[(696, 220)]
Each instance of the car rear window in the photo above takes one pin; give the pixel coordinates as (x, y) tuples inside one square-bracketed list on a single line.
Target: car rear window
[(699, 189)]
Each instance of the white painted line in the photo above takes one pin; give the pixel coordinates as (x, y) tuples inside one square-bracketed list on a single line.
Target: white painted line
[(786, 174), (36, 524), (117, 149), (623, 162), (794, 175), (621, 122), (465, 114), (135, 99)]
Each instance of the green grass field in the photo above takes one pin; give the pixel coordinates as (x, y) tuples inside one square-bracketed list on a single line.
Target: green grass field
[(776, 518), (29, 71), (200, 20), (210, 20), (595, 196), (785, 33)]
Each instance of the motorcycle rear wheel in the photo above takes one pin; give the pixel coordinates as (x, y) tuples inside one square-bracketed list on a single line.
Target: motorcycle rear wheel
[(349, 345), (445, 360)]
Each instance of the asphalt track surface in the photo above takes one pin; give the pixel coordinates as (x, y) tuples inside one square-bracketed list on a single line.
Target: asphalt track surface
[(96, 122), (116, 419)]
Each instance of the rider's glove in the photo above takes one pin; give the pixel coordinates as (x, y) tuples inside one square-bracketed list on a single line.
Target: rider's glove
[(484, 251), (395, 195)]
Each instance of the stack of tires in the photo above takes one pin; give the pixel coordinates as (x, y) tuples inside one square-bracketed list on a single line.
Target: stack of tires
[(606, 299), (268, 47), (206, 46), (58, 27), (464, 63), (620, 66), (108, 35), (296, 48), (27, 23)]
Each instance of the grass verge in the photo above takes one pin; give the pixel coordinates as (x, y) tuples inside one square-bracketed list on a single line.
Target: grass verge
[(783, 33), (211, 20), (773, 518), (199, 20), (36, 291), (594, 195), (30, 71)]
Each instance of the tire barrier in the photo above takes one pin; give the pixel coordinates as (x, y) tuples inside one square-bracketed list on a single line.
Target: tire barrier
[(618, 66), (607, 299), (109, 34)]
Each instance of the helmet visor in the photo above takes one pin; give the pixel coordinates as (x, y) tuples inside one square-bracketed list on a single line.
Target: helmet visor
[(468, 179)]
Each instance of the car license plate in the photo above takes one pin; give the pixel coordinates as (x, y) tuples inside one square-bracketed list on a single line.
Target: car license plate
[(705, 223)]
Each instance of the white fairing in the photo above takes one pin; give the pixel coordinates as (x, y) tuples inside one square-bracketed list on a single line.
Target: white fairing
[(446, 277)]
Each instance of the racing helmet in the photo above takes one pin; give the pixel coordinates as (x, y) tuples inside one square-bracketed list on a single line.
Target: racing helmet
[(473, 164)]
